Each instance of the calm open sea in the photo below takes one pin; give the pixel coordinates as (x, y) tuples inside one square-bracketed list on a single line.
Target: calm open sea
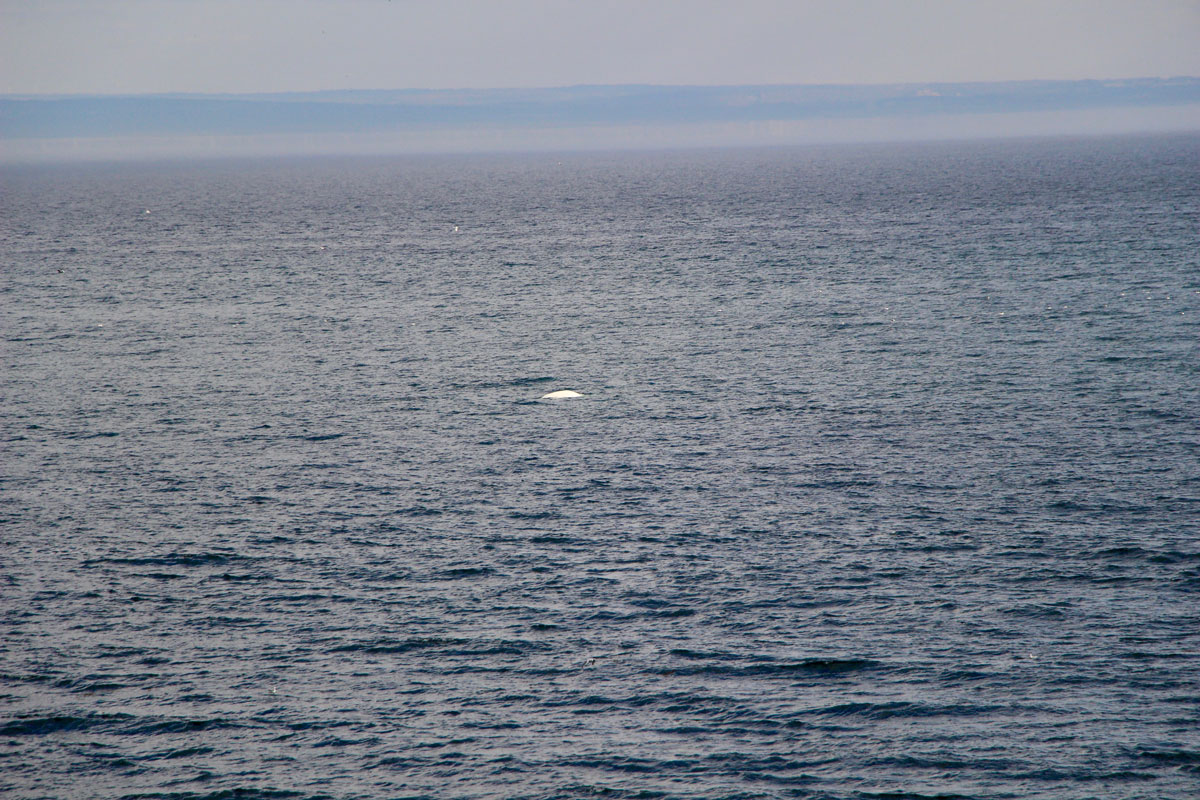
[(885, 482)]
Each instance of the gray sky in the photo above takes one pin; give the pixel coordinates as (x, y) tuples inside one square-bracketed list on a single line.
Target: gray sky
[(135, 46)]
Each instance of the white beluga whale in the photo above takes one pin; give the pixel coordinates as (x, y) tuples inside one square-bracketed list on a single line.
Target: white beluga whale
[(561, 394)]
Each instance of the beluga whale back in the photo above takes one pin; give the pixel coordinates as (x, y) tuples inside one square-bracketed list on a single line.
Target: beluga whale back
[(561, 394)]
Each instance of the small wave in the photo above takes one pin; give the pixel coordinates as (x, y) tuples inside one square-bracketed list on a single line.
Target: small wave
[(812, 667), (502, 647), (912, 796), (628, 764), (181, 726), (945, 763), (97, 686), (178, 559), (389, 577), (1036, 610), (671, 613), (829, 665), (515, 382), (184, 752), (581, 790), (1121, 552), (43, 726), (1174, 557), (534, 515), (701, 655), (338, 741), (399, 645), (238, 793), (319, 725), (255, 578), (1134, 553), (463, 572), (1188, 760), (556, 539), (445, 646), (903, 710), (25, 679), (120, 724), (1141, 655), (781, 780), (405, 762), (420, 511)]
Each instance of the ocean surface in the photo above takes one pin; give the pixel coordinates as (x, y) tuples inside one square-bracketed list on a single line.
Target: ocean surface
[(885, 481)]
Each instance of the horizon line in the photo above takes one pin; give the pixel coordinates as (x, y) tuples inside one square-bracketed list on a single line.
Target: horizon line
[(560, 87)]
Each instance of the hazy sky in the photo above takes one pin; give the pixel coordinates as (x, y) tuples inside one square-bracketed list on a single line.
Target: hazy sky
[(132, 46)]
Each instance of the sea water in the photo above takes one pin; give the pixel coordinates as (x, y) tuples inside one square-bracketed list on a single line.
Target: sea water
[(884, 481)]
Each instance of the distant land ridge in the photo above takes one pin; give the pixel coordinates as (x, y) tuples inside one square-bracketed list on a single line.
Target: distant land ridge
[(364, 111)]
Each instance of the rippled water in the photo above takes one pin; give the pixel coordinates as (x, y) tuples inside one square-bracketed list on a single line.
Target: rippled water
[(885, 482)]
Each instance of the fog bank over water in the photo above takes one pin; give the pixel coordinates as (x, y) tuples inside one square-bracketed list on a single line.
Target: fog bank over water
[(52, 128)]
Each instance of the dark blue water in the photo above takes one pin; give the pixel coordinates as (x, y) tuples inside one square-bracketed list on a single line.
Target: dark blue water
[(885, 481)]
